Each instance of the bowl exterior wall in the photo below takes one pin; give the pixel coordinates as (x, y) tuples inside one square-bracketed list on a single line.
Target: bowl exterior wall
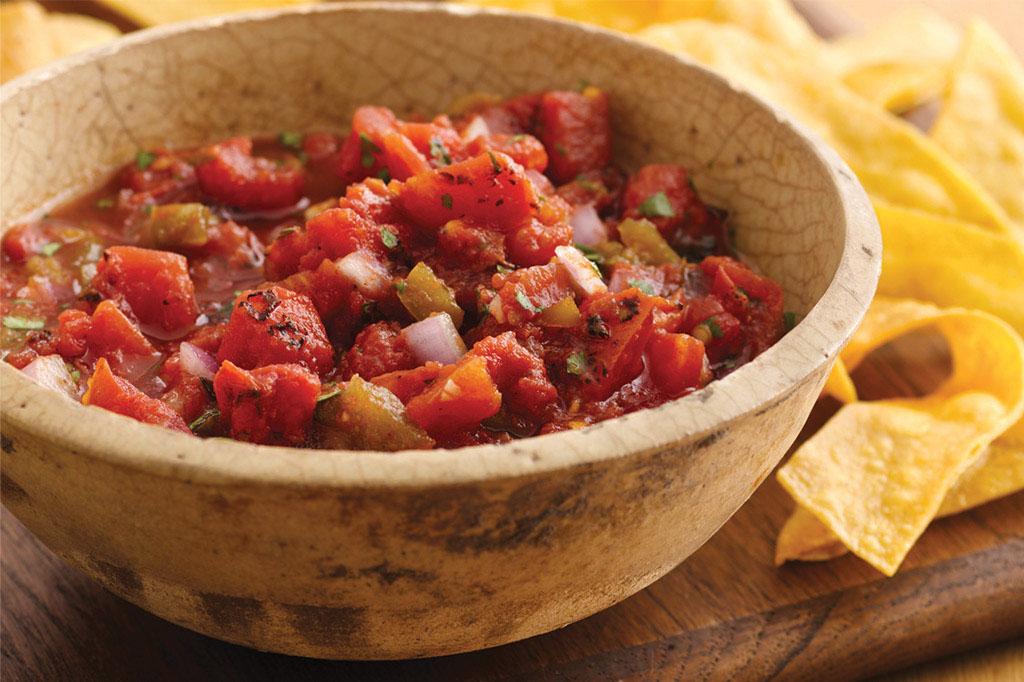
[(371, 573)]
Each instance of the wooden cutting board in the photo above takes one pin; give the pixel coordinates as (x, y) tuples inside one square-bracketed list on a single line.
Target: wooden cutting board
[(726, 613)]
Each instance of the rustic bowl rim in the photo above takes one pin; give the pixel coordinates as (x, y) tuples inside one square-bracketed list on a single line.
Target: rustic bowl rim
[(816, 339)]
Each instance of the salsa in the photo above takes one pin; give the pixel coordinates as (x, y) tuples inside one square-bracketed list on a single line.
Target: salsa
[(470, 278)]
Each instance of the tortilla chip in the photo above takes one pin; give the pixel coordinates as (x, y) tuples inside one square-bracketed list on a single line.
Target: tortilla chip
[(153, 12), (876, 474), (839, 385), (73, 33), (24, 39), (981, 123), (951, 263), (892, 159), (889, 69)]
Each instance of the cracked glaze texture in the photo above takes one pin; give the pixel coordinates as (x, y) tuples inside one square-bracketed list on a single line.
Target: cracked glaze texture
[(367, 555)]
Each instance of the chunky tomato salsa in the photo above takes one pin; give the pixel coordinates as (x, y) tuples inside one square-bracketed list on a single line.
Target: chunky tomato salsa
[(466, 279)]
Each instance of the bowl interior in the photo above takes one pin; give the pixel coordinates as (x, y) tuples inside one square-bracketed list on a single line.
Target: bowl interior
[(793, 204)]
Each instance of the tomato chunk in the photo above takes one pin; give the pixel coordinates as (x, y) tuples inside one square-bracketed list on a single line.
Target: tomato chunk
[(519, 374), (618, 327), (677, 363), (270, 405), (490, 190), (276, 326), (117, 395), (234, 176), (576, 131), (155, 285), (462, 396), (378, 349)]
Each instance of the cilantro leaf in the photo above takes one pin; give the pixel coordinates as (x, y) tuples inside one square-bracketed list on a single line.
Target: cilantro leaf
[(789, 319), (524, 300), (388, 237), (657, 206), (22, 323), (367, 149), (290, 138), (576, 363), (144, 159), (50, 248), (446, 200), (439, 152), (642, 285)]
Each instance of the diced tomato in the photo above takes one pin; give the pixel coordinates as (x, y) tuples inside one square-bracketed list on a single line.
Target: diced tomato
[(276, 326), (113, 336), (284, 254), (438, 141), (535, 242), (185, 392), (490, 190), (618, 327), (407, 384), (208, 337), (519, 374), (754, 300), (154, 284), (273, 404), (21, 242), (677, 363), (338, 232), (525, 293), (331, 292), (517, 115), (361, 154), (234, 176), (235, 243), (72, 331), (159, 178), (319, 146), (688, 212), (117, 395), (576, 131), (526, 150), (462, 396), (464, 245), (378, 349)]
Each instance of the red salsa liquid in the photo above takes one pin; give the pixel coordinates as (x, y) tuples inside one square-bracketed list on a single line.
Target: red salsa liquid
[(412, 284)]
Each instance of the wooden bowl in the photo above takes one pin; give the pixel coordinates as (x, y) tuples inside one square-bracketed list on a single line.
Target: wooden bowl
[(368, 555)]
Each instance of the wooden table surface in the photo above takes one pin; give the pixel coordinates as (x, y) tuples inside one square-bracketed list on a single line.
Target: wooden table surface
[(717, 612)]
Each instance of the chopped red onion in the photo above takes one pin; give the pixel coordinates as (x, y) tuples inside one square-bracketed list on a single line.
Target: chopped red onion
[(477, 128), (366, 273), (585, 278), (435, 338), (587, 227), (49, 371), (197, 361)]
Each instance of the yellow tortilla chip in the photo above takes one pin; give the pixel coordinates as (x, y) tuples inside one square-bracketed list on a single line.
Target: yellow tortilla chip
[(24, 38), (153, 12), (901, 63), (876, 474), (892, 159), (839, 385), (75, 32), (981, 123), (951, 263)]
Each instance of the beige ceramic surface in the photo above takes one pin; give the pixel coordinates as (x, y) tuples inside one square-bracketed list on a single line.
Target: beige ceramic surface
[(370, 555)]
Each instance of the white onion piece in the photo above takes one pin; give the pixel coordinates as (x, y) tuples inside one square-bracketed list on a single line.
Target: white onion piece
[(366, 273), (197, 361), (586, 280), (496, 310), (435, 338), (587, 227), (49, 371), (477, 128)]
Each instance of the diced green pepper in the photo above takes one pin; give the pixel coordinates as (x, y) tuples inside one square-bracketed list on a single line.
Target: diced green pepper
[(644, 239), (364, 416), (177, 226), (425, 293)]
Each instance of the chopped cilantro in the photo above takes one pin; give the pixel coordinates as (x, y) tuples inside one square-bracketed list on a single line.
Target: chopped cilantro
[(288, 230), (446, 200), (144, 159), (560, 148), (76, 375), (576, 363), (368, 308), (21, 301), (439, 152), (518, 137), (106, 202), (743, 291), (524, 300), (593, 256), (712, 325), (400, 286), (789, 319), (147, 210), (290, 138), (388, 237), (504, 269), (22, 323), (494, 161), (583, 84), (657, 206), (384, 175), (642, 285), (50, 248), (367, 149)]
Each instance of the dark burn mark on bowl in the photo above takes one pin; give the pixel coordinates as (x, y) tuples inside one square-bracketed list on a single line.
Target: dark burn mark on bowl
[(385, 573), (225, 505), (231, 614), (868, 251), (326, 626), (7, 445), (710, 439), (11, 491), (705, 394), (120, 579)]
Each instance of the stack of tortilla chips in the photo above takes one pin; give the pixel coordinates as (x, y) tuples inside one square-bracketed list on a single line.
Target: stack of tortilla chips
[(950, 203), (951, 206)]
